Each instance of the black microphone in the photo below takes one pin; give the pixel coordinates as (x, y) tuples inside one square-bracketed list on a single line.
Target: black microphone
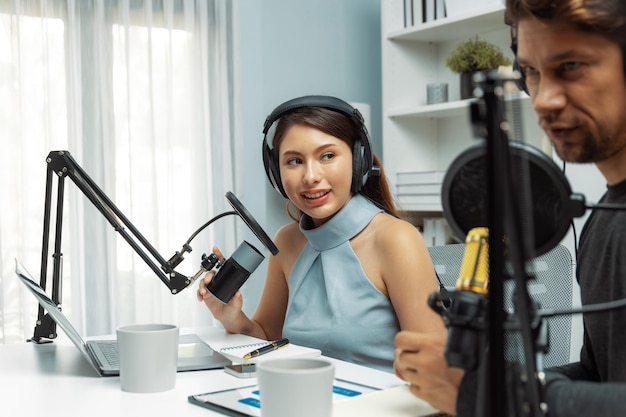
[(243, 262), (465, 316), (235, 271)]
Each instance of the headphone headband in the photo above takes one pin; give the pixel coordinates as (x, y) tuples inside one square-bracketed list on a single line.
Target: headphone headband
[(328, 102), (362, 155)]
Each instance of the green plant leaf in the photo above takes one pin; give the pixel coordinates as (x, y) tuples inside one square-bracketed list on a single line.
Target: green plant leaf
[(475, 55)]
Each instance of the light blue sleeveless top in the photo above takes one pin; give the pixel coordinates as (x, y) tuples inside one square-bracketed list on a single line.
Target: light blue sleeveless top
[(333, 306)]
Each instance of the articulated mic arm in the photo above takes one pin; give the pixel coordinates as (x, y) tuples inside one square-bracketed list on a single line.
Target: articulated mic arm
[(62, 165)]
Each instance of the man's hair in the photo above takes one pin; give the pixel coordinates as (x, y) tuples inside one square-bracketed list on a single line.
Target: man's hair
[(606, 17)]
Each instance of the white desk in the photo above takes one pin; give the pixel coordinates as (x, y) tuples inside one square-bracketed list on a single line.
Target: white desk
[(54, 380)]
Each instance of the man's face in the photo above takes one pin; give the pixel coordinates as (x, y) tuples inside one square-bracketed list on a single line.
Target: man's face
[(577, 86)]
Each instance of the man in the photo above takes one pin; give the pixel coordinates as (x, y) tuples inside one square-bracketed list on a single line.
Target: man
[(572, 55)]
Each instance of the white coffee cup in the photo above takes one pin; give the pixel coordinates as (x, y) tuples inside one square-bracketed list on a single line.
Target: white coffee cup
[(296, 387), (148, 356)]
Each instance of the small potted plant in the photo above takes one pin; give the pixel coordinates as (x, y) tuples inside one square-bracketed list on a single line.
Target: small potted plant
[(471, 56)]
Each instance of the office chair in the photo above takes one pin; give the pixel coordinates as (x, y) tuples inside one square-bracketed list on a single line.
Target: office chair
[(551, 289)]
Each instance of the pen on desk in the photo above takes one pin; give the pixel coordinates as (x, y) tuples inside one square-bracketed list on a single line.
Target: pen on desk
[(267, 348)]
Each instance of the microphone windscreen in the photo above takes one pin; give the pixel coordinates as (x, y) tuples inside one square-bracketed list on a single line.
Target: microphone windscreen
[(251, 222), (465, 193)]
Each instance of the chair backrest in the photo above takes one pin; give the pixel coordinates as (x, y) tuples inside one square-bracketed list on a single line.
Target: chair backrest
[(552, 288)]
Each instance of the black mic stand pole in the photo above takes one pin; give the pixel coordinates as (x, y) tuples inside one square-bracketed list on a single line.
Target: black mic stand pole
[(45, 327), (527, 379), (502, 226), (496, 165)]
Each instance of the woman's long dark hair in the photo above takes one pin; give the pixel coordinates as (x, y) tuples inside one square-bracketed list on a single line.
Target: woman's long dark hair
[(340, 126)]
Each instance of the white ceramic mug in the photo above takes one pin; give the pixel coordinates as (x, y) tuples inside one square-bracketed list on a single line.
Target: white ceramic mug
[(296, 387), (148, 355)]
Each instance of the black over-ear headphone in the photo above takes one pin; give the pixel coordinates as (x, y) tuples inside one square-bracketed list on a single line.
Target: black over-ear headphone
[(520, 82), (362, 156)]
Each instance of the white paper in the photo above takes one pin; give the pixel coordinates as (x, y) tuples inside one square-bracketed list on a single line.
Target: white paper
[(391, 402), (234, 346)]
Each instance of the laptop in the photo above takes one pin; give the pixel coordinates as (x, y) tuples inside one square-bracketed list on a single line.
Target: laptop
[(193, 353)]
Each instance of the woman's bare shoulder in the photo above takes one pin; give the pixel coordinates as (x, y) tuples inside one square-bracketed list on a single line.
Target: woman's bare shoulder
[(288, 231), (289, 238), (389, 226)]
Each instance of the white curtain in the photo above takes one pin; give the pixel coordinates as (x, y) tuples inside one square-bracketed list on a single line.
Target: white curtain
[(140, 93)]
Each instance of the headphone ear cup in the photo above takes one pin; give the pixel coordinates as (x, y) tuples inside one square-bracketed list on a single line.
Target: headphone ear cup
[(361, 166), (357, 167), (272, 170), (521, 81)]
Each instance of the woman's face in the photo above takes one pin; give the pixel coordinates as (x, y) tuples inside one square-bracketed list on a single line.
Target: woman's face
[(316, 171)]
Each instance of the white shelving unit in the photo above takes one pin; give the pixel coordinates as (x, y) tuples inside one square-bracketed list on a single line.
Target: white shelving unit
[(419, 140), (424, 139)]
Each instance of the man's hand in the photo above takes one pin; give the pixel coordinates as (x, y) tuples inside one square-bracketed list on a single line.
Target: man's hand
[(419, 360)]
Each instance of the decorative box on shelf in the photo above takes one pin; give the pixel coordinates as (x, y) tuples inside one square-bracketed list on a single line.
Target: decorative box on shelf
[(420, 191)]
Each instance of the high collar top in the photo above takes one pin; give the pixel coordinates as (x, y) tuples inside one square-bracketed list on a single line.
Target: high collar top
[(343, 226)]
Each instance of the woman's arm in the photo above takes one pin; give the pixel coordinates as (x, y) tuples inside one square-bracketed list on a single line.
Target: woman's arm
[(272, 308), (230, 314)]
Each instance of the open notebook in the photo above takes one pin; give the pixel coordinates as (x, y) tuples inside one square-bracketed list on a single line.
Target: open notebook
[(193, 353), (236, 346)]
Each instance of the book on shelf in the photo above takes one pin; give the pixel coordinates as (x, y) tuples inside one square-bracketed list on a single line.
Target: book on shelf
[(429, 10), (417, 199), (416, 177), (408, 13), (435, 231), (418, 12), (236, 346), (419, 189), (440, 9)]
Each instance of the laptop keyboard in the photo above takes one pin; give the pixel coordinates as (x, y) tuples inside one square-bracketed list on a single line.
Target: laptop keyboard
[(109, 350)]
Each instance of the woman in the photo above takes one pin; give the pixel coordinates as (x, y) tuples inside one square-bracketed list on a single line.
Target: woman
[(350, 274)]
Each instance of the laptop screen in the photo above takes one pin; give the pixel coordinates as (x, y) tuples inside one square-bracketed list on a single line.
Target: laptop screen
[(52, 309), (193, 352)]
